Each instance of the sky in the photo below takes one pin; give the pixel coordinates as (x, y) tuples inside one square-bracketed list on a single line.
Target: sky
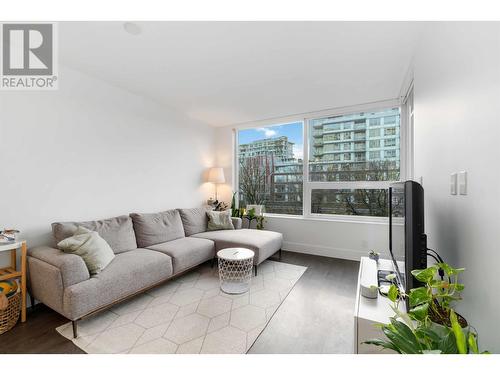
[(292, 130)]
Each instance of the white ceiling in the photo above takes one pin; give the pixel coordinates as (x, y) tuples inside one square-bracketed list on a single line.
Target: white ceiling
[(224, 73)]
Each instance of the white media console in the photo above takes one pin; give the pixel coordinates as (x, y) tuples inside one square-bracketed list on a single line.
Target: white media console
[(371, 311)]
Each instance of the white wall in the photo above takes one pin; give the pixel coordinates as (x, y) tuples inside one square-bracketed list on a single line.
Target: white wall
[(457, 127), (90, 150), (339, 239)]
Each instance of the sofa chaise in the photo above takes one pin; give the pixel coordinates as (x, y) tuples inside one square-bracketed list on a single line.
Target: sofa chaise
[(149, 250)]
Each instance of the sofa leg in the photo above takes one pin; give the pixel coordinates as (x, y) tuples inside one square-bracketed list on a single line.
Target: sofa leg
[(214, 259), (279, 255), (255, 269), (32, 302), (75, 328)]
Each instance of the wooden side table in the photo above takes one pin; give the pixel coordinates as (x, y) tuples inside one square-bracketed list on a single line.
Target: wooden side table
[(11, 271)]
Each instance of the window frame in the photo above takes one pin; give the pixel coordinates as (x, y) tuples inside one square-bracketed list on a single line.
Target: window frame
[(406, 139)]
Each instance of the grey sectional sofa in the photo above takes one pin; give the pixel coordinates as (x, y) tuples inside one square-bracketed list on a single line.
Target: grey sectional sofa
[(150, 249)]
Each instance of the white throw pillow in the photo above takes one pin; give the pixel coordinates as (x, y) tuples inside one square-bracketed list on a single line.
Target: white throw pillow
[(94, 250), (219, 220)]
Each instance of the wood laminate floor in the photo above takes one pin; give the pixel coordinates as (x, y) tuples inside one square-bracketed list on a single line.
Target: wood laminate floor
[(316, 317)]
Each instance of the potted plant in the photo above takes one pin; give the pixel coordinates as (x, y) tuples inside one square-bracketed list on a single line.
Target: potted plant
[(431, 325)]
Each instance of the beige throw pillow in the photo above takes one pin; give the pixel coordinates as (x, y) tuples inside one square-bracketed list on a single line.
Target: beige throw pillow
[(94, 250), (219, 220)]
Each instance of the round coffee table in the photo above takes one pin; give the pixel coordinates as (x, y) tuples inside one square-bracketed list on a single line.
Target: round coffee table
[(235, 269)]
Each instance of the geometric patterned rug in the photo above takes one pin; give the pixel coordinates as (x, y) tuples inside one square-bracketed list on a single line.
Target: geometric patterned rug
[(189, 315)]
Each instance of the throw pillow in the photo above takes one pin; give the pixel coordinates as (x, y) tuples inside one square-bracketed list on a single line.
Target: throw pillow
[(94, 250), (219, 220)]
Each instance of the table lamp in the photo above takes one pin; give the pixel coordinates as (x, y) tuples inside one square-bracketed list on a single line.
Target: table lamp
[(216, 176)]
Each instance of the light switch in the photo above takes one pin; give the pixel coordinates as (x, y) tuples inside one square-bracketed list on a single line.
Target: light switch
[(462, 183), (453, 184)]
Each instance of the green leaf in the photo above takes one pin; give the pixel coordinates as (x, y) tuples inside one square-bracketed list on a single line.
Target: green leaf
[(439, 284), (459, 334), (448, 344), (420, 312), (425, 275), (406, 339), (390, 277), (393, 293), (419, 296), (449, 270), (404, 347), (429, 336), (471, 340)]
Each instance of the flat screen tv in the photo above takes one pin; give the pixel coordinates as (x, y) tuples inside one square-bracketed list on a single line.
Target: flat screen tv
[(407, 239)]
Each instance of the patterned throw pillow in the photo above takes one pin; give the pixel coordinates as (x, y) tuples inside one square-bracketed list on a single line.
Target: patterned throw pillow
[(94, 250), (219, 220)]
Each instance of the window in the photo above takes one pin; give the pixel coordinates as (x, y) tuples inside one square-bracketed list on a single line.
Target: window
[(271, 174), (361, 202), (356, 185), (348, 168), (390, 153), (390, 131), (390, 142)]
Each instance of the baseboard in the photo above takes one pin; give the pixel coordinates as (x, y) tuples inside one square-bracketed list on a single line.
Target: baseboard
[(326, 251)]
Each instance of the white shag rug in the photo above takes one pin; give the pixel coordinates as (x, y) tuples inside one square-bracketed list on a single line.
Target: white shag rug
[(189, 315)]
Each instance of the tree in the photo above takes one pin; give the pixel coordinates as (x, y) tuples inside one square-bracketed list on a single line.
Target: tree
[(252, 180)]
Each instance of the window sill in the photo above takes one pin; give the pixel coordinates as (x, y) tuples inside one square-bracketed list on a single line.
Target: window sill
[(333, 218)]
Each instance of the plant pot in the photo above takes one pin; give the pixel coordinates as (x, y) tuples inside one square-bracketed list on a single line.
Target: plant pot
[(442, 317)]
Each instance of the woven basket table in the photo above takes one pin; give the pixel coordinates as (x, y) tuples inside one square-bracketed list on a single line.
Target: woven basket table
[(235, 269)]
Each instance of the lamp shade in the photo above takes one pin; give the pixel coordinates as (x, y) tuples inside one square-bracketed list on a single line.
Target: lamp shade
[(216, 175)]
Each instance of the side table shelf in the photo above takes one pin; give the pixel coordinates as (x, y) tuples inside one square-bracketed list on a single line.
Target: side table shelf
[(11, 272)]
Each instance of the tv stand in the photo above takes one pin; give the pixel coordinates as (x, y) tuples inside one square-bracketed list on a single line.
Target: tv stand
[(369, 312)]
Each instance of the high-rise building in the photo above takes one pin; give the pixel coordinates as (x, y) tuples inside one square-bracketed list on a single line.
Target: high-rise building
[(280, 148), (362, 146), (281, 173)]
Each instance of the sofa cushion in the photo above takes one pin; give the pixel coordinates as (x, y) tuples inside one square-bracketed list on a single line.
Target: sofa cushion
[(187, 252), (263, 243), (152, 229), (219, 220), (128, 272), (118, 231), (87, 244), (194, 220)]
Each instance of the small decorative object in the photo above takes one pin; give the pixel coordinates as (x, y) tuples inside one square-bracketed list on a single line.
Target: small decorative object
[(8, 235), (374, 255), (221, 206), (368, 282), (431, 326), (211, 202)]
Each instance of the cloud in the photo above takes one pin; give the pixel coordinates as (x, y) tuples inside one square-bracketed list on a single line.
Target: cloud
[(298, 151), (268, 132)]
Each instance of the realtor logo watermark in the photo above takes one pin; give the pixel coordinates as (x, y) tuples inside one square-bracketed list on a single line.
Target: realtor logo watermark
[(28, 56)]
